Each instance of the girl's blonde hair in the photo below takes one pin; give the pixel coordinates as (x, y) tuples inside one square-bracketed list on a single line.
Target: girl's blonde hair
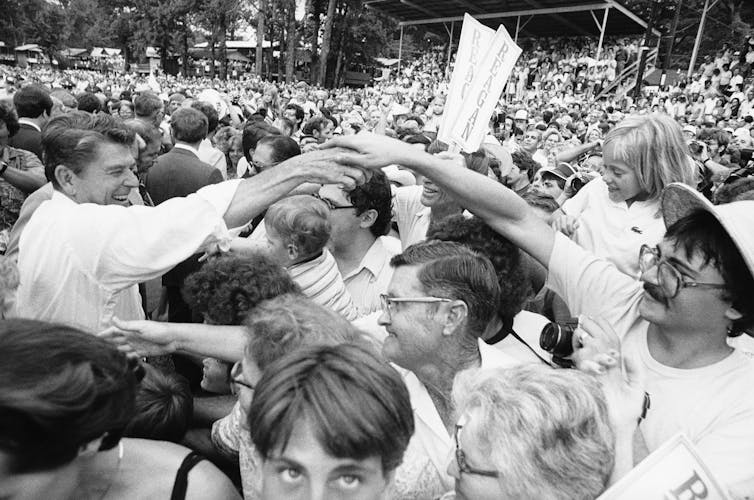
[(654, 146)]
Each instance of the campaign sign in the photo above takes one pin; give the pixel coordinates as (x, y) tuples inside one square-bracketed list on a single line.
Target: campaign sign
[(475, 39), (675, 471), (472, 123)]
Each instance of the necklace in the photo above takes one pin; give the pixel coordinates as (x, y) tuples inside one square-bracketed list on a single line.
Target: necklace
[(117, 471)]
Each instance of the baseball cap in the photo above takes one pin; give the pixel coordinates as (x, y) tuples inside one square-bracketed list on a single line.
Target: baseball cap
[(737, 218), (521, 114), (563, 170)]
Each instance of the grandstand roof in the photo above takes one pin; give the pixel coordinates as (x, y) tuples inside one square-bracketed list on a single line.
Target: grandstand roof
[(535, 17)]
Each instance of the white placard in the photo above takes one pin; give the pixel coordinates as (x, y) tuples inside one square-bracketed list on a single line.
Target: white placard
[(674, 471), (472, 46), (472, 122)]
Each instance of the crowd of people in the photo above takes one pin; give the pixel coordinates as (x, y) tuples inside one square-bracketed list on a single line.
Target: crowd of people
[(265, 290)]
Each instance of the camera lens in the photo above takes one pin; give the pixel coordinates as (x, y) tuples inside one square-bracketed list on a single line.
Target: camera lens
[(556, 339)]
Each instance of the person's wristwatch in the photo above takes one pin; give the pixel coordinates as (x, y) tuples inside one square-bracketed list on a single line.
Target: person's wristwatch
[(3, 168)]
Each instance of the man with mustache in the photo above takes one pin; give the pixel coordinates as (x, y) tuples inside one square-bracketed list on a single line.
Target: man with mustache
[(678, 322)]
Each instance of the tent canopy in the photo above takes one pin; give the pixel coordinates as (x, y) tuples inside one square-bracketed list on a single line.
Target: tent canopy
[(536, 18)]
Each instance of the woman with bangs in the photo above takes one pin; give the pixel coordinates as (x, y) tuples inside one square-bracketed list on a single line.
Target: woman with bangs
[(615, 215)]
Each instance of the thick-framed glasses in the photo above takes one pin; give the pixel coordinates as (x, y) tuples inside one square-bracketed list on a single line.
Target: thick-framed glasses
[(670, 279), (463, 466), (388, 302), (331, 204)]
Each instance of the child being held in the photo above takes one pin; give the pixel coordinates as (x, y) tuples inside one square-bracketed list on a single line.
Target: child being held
[(298, 228)]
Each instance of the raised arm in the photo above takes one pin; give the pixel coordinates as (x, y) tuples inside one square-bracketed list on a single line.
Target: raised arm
[(257, 193), (500, 207), (153, 338)]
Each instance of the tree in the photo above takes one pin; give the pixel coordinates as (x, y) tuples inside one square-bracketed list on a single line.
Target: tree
[(261, 17), (326, 38), (292, 40)]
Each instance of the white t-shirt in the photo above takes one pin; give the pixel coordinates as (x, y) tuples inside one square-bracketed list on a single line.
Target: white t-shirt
[(713, 406), (613, 230)]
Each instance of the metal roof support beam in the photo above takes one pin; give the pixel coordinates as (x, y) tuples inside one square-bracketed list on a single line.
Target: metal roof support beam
[(556, 15), (469, 6), (602, 33), (512, 13), (418, 7), (626, 12)]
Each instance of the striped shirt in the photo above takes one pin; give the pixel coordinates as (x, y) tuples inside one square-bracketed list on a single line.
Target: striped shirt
[(320, 281)]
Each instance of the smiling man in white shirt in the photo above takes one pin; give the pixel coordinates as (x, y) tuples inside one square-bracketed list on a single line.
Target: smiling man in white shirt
[(83, 252)]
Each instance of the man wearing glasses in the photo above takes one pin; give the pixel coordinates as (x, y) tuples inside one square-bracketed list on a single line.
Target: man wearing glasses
[(678, 322), (440, 300)]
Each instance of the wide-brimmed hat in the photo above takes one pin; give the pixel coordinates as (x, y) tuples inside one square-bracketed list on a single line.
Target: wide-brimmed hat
[(737, 218)]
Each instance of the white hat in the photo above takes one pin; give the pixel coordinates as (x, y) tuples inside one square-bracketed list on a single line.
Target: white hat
[(737, 218), (399, 176), (521, 114), (689, 128)]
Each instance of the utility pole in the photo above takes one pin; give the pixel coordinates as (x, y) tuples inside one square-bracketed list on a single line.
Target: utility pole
[(644, 48), (669, 52)]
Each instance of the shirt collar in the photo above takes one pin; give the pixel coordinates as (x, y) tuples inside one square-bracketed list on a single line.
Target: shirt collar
[(180, 145), (29, 122), (373, 261)]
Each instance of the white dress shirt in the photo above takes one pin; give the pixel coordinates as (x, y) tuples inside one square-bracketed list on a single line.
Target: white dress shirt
[(213, 156), (80, 263), (372, 276), (412, 217)]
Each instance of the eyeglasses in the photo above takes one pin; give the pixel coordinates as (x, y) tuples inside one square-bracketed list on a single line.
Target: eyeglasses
[(387, 302), (463, 466), (331, 204), (670, 279)]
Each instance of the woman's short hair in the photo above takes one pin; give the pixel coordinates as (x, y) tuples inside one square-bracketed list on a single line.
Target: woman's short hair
[(227, 288), (60, 388), (548, 429), (355, 402), (285, 323), (253, 132), (654, 145), (302, 220)]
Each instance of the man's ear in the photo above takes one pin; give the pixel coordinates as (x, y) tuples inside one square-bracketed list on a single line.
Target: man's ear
[(66, 179), (456, 315), (368, 218), (733, 314)]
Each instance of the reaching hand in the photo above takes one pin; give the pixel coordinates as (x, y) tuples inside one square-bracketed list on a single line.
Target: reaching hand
[(145, 338), (597, 350), (372, 151), (331, 165), (566, 224)]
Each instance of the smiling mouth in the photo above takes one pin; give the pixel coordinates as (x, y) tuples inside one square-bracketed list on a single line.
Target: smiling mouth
[(121, 198), (654, 294)]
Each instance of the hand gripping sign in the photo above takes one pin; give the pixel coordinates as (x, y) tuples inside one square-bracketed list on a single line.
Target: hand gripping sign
[(471, 124), (475, 39), (674, 471)]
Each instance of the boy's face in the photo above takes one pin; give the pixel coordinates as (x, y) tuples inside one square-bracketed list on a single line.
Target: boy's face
[(305, 470), (278, 250)]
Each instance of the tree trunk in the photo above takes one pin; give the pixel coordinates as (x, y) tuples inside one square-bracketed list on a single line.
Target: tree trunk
[(212, 55), (260, 35), (223, 29), (341, 41), (184, 48), (291, 37), (315, 42), (326, 38), (164, 46)]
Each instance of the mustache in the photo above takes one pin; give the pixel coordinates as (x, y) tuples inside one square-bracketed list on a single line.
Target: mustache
[(655, 292)]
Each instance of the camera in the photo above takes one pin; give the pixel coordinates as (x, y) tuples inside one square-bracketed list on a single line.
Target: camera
[(696, 147), (557, 339)]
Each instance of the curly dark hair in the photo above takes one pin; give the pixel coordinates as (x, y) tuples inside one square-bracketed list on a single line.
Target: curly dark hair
[(504, 255), (227, 288), (525, 163), (9, 117), (375, 195)]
